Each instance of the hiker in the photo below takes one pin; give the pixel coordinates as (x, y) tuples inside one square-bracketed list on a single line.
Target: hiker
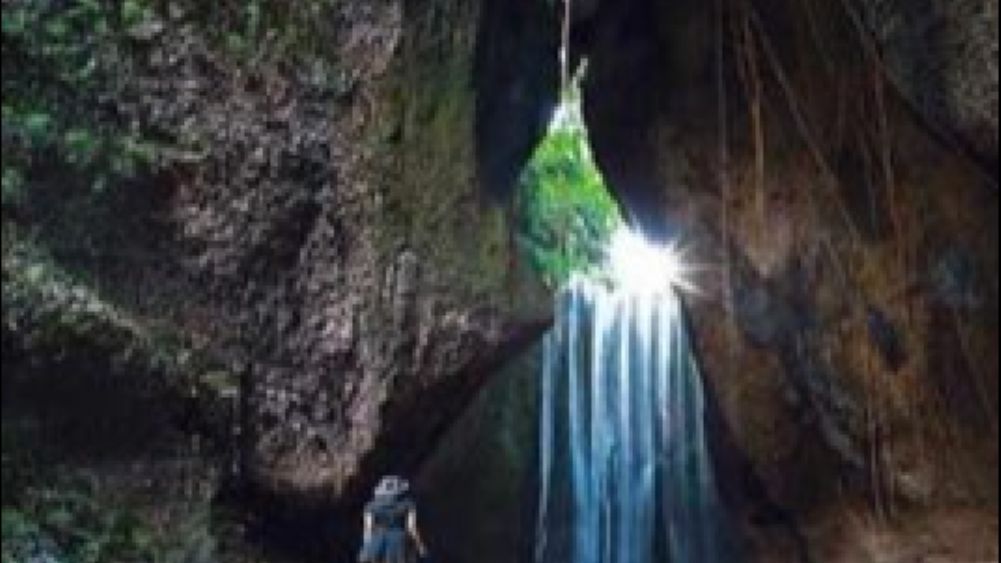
[(391, 525)]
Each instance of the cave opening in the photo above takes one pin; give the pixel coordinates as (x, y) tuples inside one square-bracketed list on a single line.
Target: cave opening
[(625, 472), (776, 137)]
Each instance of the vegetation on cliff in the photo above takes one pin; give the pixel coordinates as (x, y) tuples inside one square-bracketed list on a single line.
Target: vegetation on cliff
[(565, 212)]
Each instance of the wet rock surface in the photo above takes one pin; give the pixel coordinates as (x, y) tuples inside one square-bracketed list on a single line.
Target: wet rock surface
[(486, 464), (722, 125)]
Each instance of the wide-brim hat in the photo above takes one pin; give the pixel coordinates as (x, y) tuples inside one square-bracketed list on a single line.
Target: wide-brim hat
[(392, 486)]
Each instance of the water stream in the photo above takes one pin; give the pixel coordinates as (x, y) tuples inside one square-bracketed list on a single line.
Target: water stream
[(625, 470)]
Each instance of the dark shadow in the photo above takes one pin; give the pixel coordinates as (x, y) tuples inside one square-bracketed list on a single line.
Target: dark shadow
[(516, 79), (741, 489)]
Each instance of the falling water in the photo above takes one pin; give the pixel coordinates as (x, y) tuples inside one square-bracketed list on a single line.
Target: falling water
[(626, 476)]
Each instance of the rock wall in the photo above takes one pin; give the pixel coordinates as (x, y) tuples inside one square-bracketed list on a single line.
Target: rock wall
[(319, 234), (849, 288), (399, 288), (943, 57), (477, 492)]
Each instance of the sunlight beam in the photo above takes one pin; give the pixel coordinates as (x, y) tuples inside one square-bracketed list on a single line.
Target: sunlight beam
[(639, 266)]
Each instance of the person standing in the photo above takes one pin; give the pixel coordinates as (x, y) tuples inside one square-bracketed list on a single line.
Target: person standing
[(390, 525)]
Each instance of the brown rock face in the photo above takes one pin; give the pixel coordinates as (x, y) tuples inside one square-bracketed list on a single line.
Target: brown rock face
[(849, 247), (943, 57), (850, 282), (835, 229)]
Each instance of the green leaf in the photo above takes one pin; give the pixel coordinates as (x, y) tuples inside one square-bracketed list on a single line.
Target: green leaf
[(81, 146), (38, 126), (132, 13), (57, 28), (13, 187), (142, 153), (15, 21), (60, 518)]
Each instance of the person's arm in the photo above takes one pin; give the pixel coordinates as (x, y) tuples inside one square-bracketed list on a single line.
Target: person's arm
[(369, 524), (415, 533)]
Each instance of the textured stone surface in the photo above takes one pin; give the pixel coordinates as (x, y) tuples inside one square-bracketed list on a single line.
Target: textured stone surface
[(827, 216), (943, 56), (322, 232), (477, 491), (348, 238)]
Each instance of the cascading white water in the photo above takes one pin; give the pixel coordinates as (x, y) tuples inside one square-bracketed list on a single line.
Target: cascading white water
[(626, 475)]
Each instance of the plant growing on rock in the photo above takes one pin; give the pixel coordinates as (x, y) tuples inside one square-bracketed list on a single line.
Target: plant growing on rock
[(60, 67), (565, 213)]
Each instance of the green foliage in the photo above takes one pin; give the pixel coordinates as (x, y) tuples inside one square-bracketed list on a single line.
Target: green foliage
[(21, 536), (297, 32), (565, 213), (13, 187), (66, 63), (68, 520), (49, 516), (61, 61)]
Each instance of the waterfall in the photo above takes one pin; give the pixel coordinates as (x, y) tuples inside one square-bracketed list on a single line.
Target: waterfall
[(625, 471)]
